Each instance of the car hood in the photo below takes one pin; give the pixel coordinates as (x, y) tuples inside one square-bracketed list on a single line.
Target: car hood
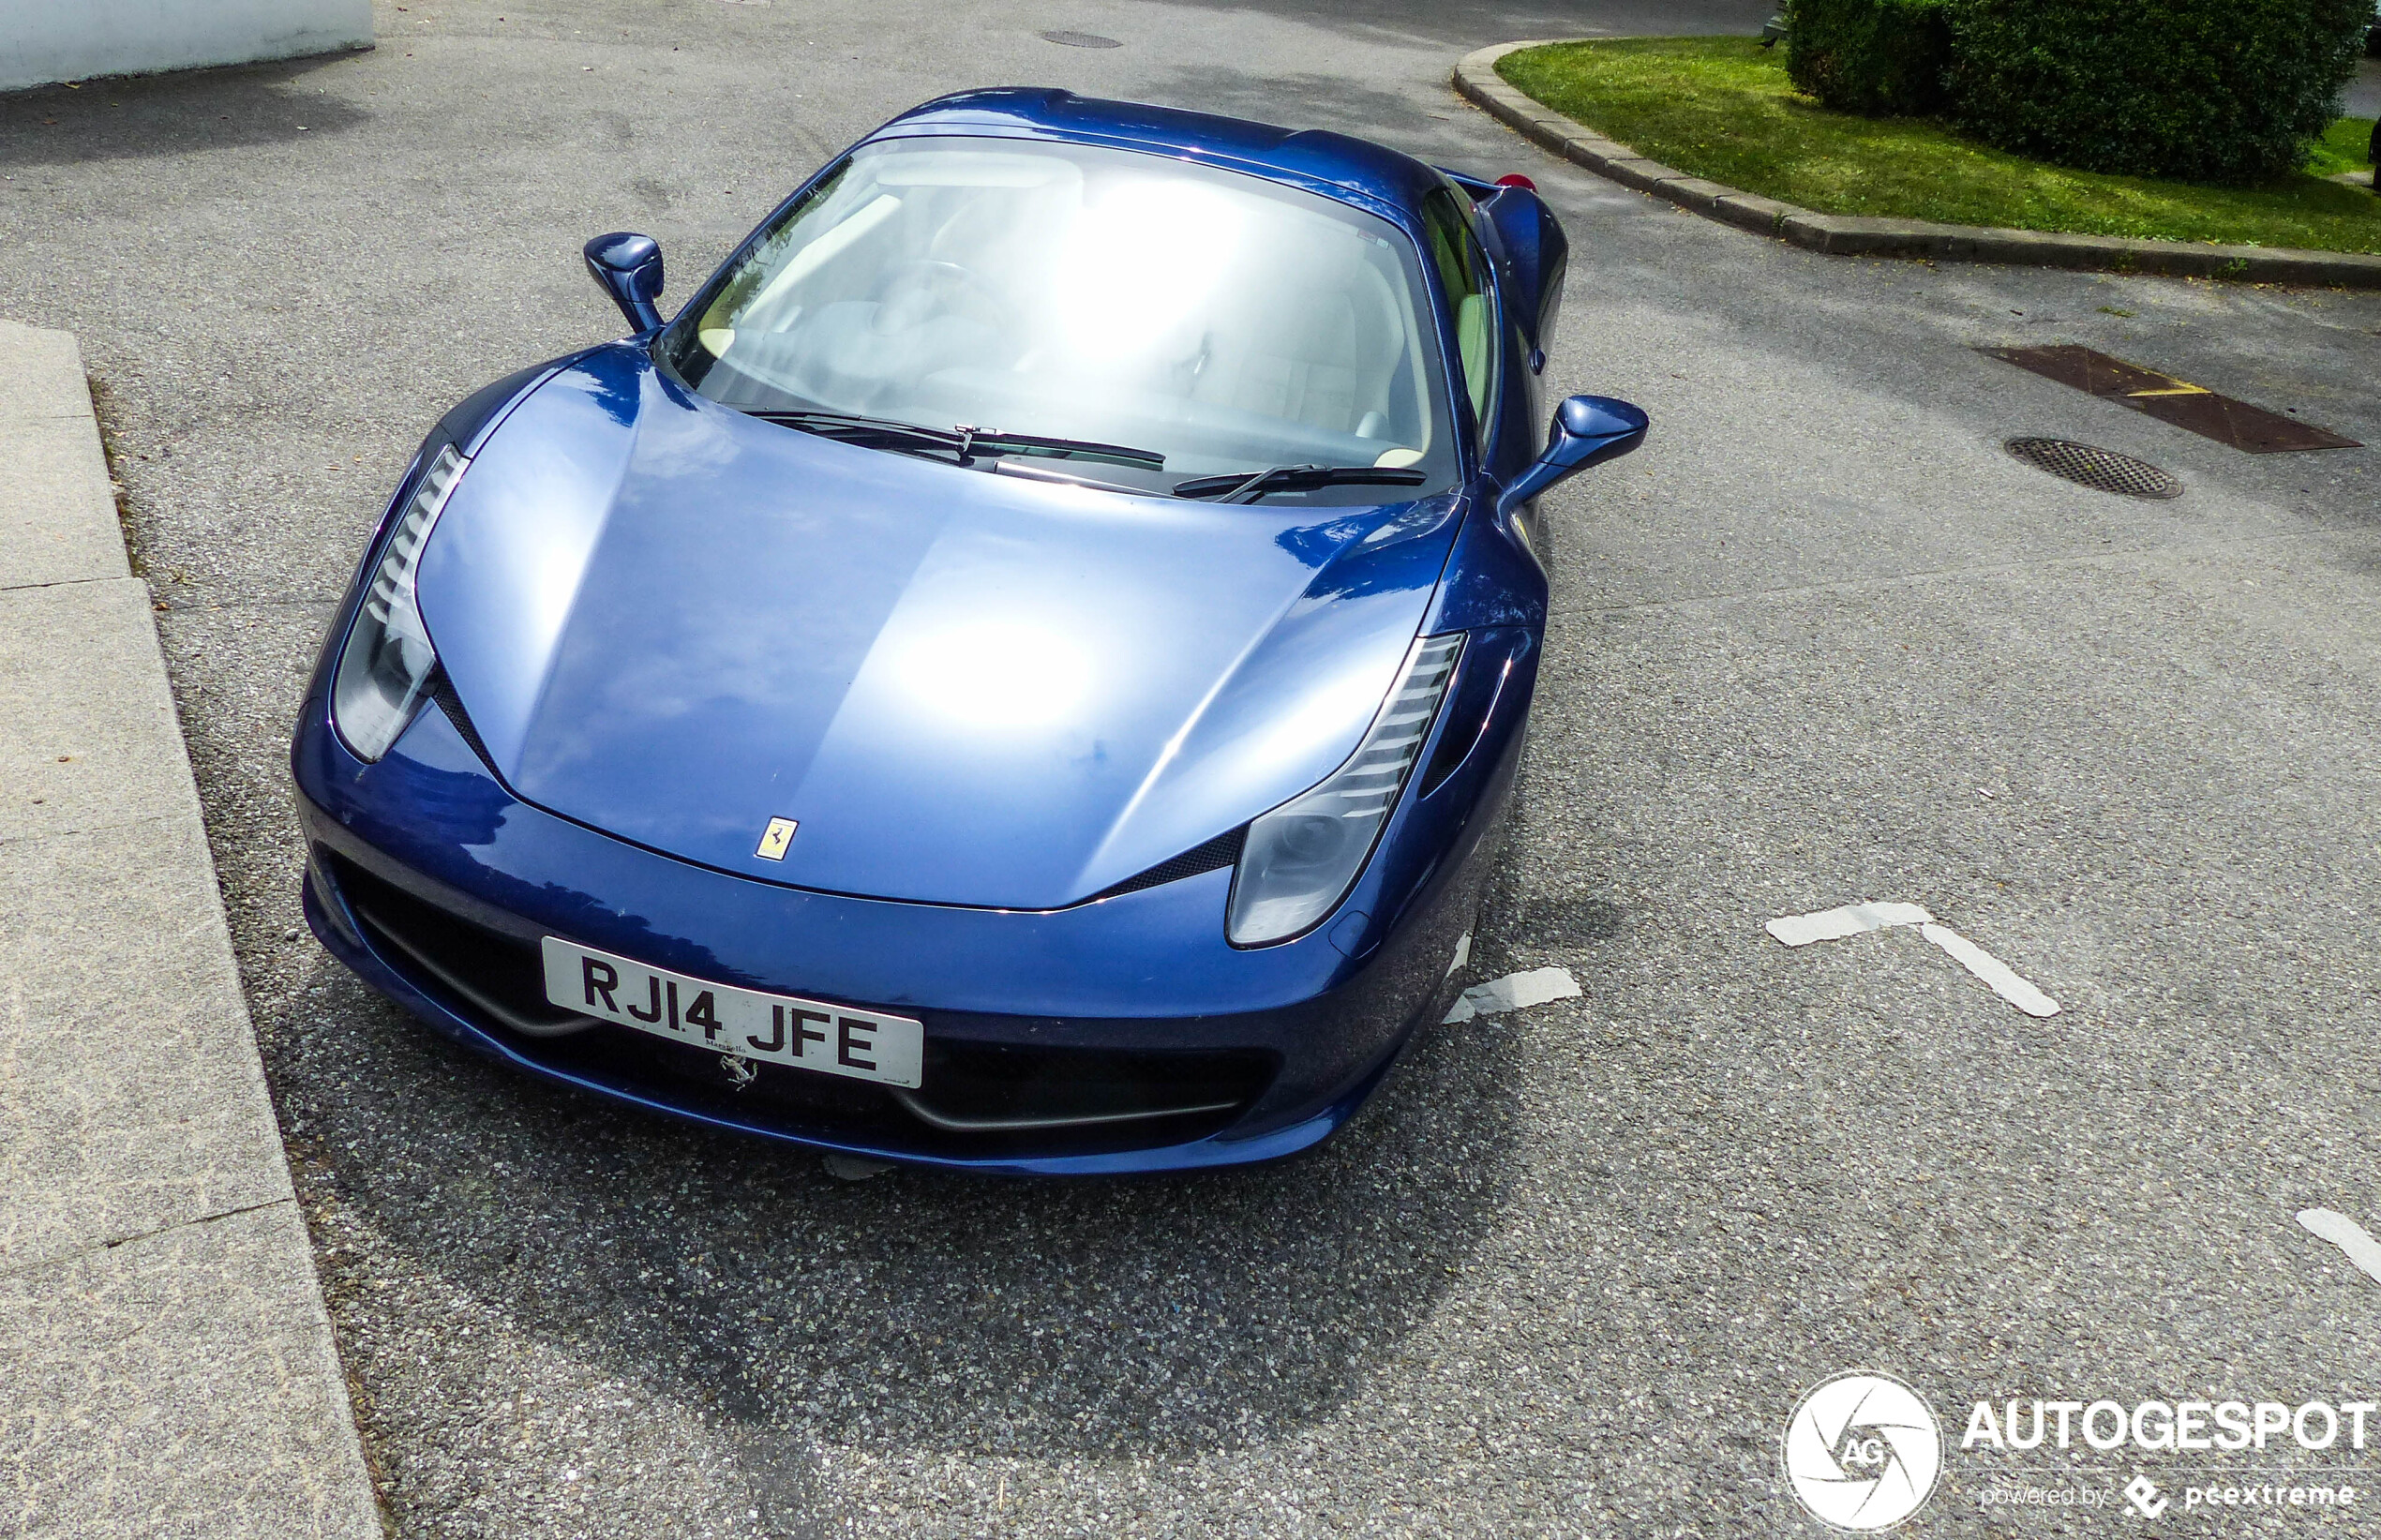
[(675, 623)]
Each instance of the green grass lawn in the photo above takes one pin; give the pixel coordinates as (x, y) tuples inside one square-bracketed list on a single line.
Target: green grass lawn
[(2343, 148), (1721, 108)]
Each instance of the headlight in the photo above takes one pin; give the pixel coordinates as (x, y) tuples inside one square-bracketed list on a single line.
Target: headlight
[(386, 667), (1301, 857)]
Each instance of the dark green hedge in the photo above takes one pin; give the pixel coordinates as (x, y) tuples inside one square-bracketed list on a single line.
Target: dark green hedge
[(2196, 90), (1880, 58)]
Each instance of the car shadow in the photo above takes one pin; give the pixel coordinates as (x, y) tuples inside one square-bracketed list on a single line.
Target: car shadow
[(1161, 1315)]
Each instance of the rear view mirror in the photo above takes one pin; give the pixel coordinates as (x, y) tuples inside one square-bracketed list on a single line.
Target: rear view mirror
[(629, 268), (1587, 430)]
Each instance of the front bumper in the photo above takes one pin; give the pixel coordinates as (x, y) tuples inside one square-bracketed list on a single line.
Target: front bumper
[(433, 883)]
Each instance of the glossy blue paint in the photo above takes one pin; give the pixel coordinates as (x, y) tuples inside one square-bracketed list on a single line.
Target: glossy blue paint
[(338, 935), (1145, 968), (1534, 253), (1587, 430), (987, 701), (628, 267), (675, 621)]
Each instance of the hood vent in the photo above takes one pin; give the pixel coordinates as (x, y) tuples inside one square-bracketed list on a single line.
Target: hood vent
[(1217, 854), (443, 690)]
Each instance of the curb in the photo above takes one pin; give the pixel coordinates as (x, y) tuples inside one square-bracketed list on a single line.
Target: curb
[(1845, 235), (169, 1363)]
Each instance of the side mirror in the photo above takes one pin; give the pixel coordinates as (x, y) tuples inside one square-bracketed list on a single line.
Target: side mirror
[(629, 268), (1587, 430)]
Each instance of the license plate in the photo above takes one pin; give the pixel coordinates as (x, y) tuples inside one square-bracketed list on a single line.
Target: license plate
[(773, 1028)]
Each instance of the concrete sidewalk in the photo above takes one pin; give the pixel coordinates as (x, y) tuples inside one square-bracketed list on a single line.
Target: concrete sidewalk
[(166, 1366)]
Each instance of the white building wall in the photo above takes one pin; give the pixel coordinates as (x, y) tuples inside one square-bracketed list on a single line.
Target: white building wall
[(44, 41)]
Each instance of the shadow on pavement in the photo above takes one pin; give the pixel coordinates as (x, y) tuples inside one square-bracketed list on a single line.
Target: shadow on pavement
[(184, 113), (1324, 101), (1476, 23)]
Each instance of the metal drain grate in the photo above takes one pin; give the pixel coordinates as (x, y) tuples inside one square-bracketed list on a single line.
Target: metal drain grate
[(2185, 405), (2101, 469), (1079, 39)]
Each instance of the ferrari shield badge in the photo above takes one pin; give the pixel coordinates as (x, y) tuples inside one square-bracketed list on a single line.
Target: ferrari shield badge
[(773, 840)]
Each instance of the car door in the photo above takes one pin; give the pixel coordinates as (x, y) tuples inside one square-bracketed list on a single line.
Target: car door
[(1492, 356), (1468, 279)]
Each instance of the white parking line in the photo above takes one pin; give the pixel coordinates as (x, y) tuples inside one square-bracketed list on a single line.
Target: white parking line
[(2003, 979), (2348, 1235), (1513, 991), (1852, 918)]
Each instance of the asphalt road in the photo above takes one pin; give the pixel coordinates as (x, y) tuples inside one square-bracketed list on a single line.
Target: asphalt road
[(1820, 641)]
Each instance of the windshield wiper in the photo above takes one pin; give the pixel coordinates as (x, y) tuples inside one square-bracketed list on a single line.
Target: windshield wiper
[(965, 442), (836, 424), (1038, 468), (1247, 486), (979, 438)]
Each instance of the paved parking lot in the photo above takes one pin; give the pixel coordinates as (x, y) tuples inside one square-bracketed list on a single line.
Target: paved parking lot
[(1820, 642)]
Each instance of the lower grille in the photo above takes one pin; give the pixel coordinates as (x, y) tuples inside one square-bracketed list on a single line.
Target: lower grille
[(980, 1099)]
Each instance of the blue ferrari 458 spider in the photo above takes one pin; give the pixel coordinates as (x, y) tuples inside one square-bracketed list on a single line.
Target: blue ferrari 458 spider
[(1023, 673)]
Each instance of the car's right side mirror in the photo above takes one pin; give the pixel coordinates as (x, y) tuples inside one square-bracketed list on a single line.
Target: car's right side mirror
[(1587, 430)]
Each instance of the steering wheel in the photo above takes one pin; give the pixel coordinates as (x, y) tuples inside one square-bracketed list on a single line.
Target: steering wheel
[(914, 292)]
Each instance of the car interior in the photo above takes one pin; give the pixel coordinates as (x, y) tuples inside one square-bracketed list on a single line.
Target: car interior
[(1221, 321)]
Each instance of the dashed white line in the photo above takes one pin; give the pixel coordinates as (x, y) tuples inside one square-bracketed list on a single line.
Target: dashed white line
[(1513, 991), (2348, 1235), (1852, 918)]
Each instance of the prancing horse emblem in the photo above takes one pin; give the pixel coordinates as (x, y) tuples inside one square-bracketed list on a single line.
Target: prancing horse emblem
[(773, 840)]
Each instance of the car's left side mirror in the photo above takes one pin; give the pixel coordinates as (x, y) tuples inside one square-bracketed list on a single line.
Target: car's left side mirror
[(629, 268), (1587, 430)]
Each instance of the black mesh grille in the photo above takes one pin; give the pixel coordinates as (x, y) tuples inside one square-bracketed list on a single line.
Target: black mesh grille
[(2101, 469), (443, 690), (964, 1078), (1217, 853)]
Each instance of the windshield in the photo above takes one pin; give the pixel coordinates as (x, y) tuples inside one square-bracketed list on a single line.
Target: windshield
[(1220, 323)]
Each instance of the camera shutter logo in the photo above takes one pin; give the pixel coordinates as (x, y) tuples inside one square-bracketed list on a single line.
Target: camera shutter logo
[(1862, 1451)]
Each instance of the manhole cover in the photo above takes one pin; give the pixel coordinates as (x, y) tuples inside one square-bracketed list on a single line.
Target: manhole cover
[(2103, 470), (1080, 39)]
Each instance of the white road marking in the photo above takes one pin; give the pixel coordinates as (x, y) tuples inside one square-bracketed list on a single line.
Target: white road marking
[(1462, 952), (2348, 1235), (1513, 991), (2003, 980), (1852, 918)]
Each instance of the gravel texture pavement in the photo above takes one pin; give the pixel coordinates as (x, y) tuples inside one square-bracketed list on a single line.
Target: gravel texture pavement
[(1820, 641)]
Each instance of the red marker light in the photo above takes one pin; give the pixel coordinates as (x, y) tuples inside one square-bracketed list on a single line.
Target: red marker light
[(1515, 179)]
